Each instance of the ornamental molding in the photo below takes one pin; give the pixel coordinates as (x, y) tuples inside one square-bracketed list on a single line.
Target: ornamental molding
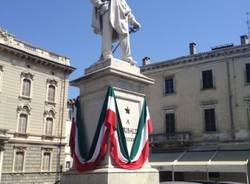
[(50, 113), (52, 82), (208, 102), (24, 108), (46, 149), (20, 147), (5, 35), (27, 75)]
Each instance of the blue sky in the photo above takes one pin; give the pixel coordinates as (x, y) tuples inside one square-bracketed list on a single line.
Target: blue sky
[(168, 26)]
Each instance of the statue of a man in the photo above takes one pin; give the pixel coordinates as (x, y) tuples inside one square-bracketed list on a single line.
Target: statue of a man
[(111, 19)]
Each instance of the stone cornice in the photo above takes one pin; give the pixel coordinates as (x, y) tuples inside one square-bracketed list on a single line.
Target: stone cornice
[(230, 52), (9, 44), (113, 67), (36, 58), (10, 40), (36, 143)]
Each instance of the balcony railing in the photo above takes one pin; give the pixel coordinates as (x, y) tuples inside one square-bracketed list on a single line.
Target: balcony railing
[(3, 137), (3, 132), (173, 138)]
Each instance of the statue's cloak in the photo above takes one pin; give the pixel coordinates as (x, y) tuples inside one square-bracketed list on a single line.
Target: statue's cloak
[(119, 12)]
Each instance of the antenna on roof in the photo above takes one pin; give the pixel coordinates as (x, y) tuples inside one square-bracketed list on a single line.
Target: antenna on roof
[(248, 24)]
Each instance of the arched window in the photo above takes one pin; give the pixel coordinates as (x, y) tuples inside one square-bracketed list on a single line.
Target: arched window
[(26, 84), (49, 116), (23, 121), (49, 126), (26, 87), (51, 93), (23, 113)]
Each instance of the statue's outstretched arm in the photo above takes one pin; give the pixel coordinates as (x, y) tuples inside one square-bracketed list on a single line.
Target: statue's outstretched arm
[(132, 21)]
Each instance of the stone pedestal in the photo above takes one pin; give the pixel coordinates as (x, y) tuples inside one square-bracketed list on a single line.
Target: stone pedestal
[(129, 86), (113, 176)]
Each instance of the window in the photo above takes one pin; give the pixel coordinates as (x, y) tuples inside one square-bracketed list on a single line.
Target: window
[(170, 123), (67, 165), (19, 161), (46, 161), (26, 87), (207, 79), (69, 114), (51, 93), (49, 116), (49, 126), (22, 126), (210, 120), (23, 113), (248, 73), (169, 85), (70, 109)]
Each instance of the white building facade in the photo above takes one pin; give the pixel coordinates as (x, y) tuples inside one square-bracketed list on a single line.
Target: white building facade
[(33, 97), (200, 106)]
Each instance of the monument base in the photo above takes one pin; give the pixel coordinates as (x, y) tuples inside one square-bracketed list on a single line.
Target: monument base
[(129, 87), (112, 176)]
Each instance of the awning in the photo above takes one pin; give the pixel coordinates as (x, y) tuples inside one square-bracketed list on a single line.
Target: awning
[(229, 161), (164, 161), (202, 161), (193, 162)]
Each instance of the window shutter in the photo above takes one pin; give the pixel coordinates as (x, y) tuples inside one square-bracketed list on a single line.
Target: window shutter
[(26, 87), (19, 161), (22, 123), (46, 161), (51, 93), (49, 126)]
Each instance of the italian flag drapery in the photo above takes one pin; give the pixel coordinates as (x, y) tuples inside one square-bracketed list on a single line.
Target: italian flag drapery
[(87, 161), (110, 128)]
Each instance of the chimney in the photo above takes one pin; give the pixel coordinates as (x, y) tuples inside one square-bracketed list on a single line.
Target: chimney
[(244, 40), (146, 61), (192, 48)]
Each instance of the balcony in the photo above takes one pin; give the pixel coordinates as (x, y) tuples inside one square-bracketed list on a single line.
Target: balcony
[(174, 140), (3, 138), (3, 133)]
